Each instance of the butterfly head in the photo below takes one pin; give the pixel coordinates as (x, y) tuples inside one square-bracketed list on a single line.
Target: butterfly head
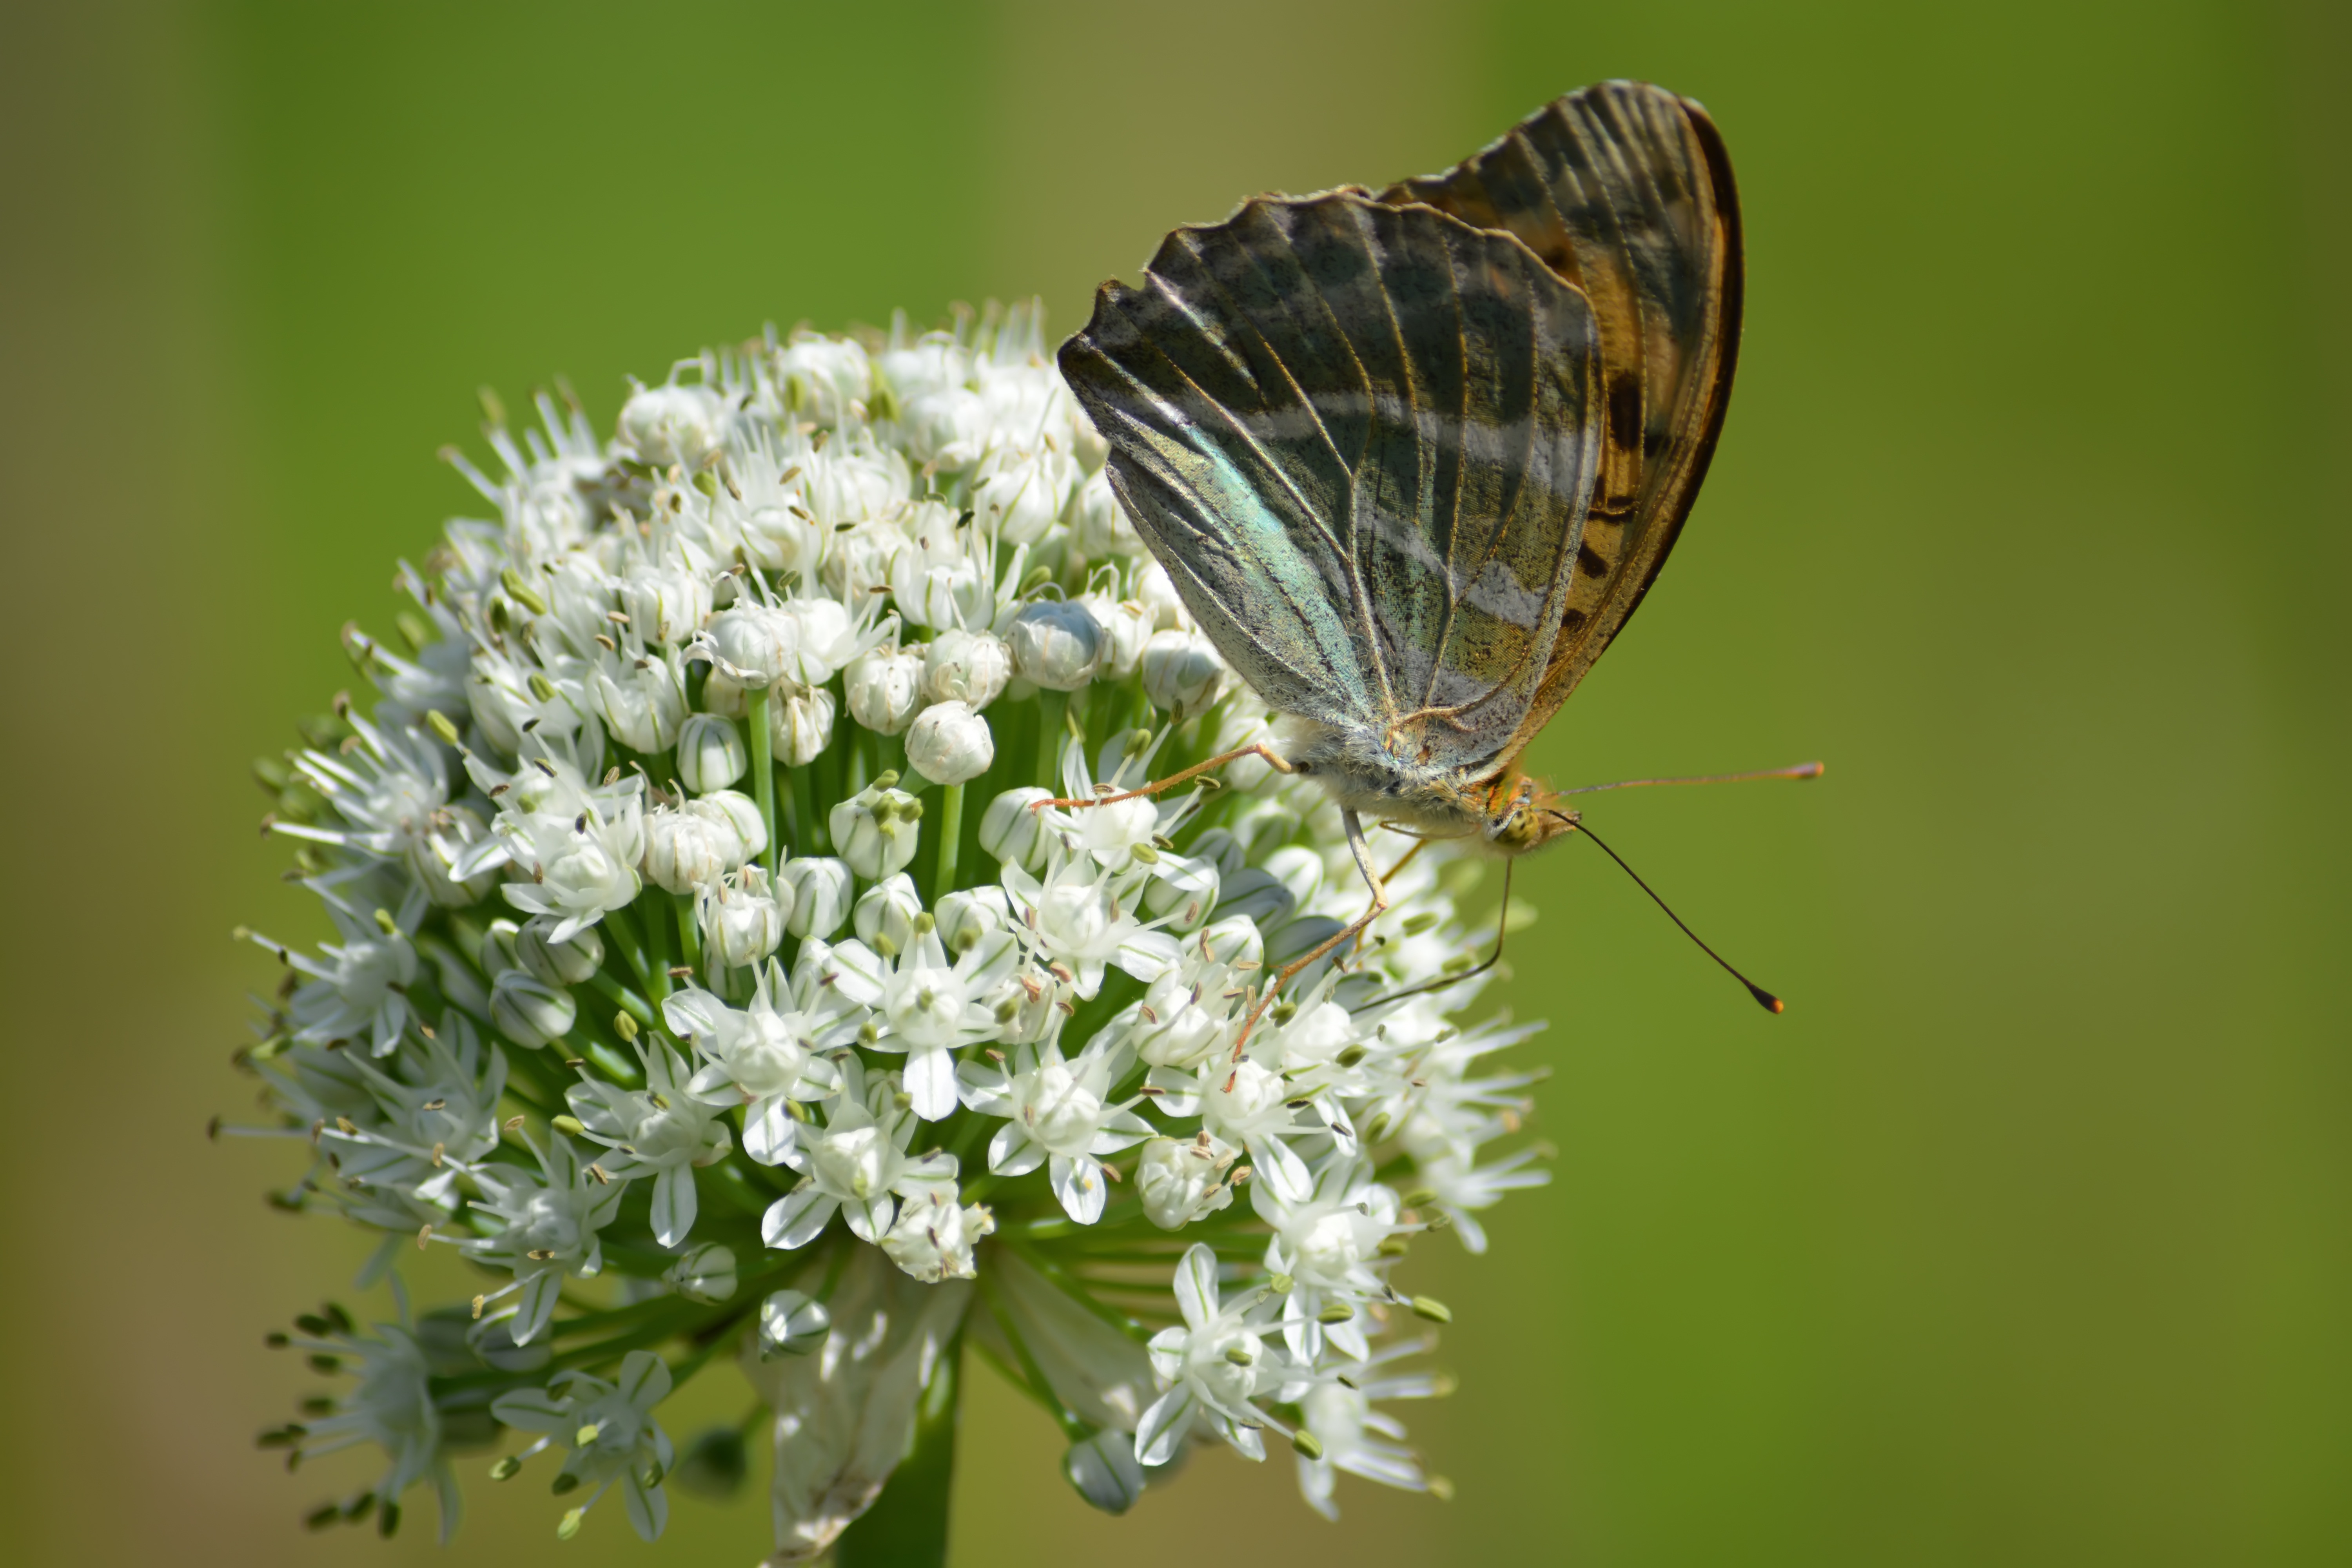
[(1521, 816)]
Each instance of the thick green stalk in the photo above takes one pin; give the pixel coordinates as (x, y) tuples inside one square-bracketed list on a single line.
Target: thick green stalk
[(689, 931), (908, 1525), (1051, 708), (951, 829), (763, 771)]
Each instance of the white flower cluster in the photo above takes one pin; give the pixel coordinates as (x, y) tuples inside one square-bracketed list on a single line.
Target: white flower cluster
[(671, 974)]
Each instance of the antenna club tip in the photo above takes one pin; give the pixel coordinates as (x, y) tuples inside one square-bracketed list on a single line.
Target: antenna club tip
[(1811, 770), (1765, 999)]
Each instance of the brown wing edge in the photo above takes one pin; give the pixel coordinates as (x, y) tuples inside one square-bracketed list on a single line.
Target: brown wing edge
[(1730, 319)]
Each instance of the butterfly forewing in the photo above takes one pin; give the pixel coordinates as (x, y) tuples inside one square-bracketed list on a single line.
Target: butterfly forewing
[(1362, 438), (1623, 190)]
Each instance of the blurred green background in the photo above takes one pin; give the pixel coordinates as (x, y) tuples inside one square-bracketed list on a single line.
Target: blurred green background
[(2025, 1237)]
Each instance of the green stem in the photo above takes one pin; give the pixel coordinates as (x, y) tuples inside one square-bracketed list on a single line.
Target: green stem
[(950, 829), (907, 1527), (763, 770), (651, 916), (636, 1006), (1051, 708), (689, 932), (812, 832)]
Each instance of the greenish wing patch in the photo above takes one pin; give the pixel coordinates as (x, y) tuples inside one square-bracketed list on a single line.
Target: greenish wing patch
[(1362, 439)]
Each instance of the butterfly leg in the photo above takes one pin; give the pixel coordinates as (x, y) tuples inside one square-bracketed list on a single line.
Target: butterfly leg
[(1258, 749), (1355, 826)]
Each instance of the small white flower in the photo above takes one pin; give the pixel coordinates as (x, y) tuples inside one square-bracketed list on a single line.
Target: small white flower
[(567, 962), (1183, 674), (1009, 830), (641, 697), (614, 1437), (885, 688), (661, 1131), (392, 1407), (684, 851), (666, 603), (792, 1323), (1211, 1368), (877, 830), (742, 921), (1023, 496), (931, 1007), (1099, 524), (751, 643), (1059, 1114), (763, 1057), (799, 724), (821, 894), (857, 1165), (1127, 628), (1057, 644), (972, 667), (548, 1226), (669, 424), (1075, 918), (705, 1274), (933, 1237), (950, 744), (1157, 592), (710, 754), (743, 832), (1182, 1181), (529, 1011)]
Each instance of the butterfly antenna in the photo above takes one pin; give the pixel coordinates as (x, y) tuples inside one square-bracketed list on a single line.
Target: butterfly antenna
[(1801, 771), (1764, 998)]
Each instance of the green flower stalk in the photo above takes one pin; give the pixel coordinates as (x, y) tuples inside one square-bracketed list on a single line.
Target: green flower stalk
[(718, 972)]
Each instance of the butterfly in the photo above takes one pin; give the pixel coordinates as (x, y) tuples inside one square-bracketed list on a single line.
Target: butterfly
[(1412, 457)]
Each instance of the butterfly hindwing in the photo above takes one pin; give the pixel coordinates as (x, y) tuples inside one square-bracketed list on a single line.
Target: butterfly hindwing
[(1362, 439), (1622, 189)]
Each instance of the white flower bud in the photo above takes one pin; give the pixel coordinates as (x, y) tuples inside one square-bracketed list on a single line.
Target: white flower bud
[(1156, 592), (743, 832), (1010, 831), (710, 754), (1182, 1181), (935, 582), (433, 855), (1099, 524), (644, 701), (887, 910), (877, 830), (823, 376), (933, 1238), (971, 668), (799, 724), (742, 920), (885, 688), (1105, 1471), (821, 890), (668, 425), (753, 642), (790, 1323), (666, 605), (1057, 644), (684, 851), (1183, 674), (1184, 889), (1127, 626), (824, 639), (950, 744), (1023, 497), (566, 962), (970, 916), (529, 1011), (706, 1274)]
